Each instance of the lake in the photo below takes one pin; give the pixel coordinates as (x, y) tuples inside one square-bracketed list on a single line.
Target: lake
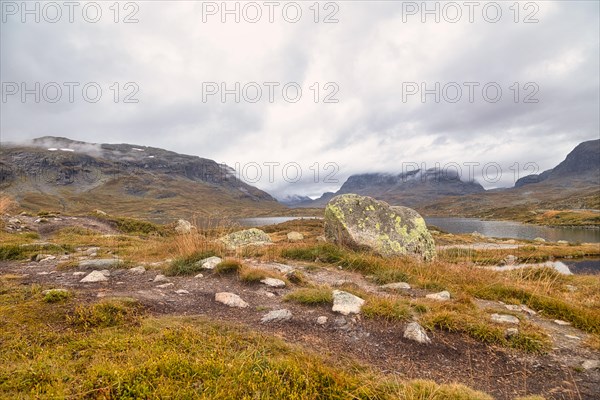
[(500, 229), (515, 230)]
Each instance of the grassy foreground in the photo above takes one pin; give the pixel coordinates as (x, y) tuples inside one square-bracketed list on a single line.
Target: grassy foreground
[(56, 349)]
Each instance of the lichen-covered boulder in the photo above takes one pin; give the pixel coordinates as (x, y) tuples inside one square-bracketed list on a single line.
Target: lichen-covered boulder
[(246, 237), (362, 222)]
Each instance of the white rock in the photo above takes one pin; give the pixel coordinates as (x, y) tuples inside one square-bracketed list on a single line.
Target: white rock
[(199, 276), (95, 276), (78, 273), (346, 303), (210, 262), (571, 288), (230, 299), (277, 316), (504, 319), (527, 310), (183, 227), (414, 331), (137, 270), (561, 322), (510, 332), (510, 259), (272, 282), (397, 286), (295, 236), (441, 296), (322, 320), (165, 285), (161, 278), (573, 337), (105, 272), (182, 291), (563, 242), (591, 364), (92, 250), (539, 240)]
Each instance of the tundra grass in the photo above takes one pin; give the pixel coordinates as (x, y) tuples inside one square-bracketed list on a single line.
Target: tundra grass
[(112, 350)]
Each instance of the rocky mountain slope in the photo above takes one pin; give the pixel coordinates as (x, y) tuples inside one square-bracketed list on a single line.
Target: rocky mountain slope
[(60, 174), (583, 163), (568, 194)]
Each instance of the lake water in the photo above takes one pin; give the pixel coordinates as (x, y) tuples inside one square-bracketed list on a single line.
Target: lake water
[(515, 230), (500, 229)]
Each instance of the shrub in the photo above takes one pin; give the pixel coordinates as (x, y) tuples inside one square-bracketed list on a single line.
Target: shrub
[(311, 296), (228, 267)]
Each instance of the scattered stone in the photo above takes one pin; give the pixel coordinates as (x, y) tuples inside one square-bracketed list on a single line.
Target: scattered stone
[(573, 337), (571, 288), (477, 235), (277, 316), (322, 320), (165, 285), (414, 331), (510, 259), (511, 332), (120, 283), (43, 273), (183, 227), (504, 319), (248, 237), (100, 263), (591, 364), (513, 307), (199, 276), (265, 293), (321, 238), (563, 242), (539, 240), (561, 322), (230, 299), (100, 212), (528, 310), (92, 250), (295, 236), (209, 263), (78, 273), (137, 270), (272, 282), (95, 276), (161, 278), (42, 257), (47, 259), (346, 303), (362, 222), (182, 291), (441, 296), (105, 272), (397, 286)]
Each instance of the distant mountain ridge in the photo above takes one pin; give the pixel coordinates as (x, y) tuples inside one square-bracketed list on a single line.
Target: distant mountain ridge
[(69, 175), (408, 188)]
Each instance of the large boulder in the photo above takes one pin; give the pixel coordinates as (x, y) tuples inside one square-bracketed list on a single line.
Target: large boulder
[(246, 237), (362, 222)]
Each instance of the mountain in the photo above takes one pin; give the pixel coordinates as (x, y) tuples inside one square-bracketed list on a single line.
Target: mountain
[(568, 194), (410, 189), (293, 200), (583, 162), (59, 174)]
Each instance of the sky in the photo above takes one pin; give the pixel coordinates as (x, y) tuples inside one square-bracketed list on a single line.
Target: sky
[(297, 96)]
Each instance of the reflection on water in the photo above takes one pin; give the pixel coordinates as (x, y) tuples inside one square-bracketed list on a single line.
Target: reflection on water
[(515, 230), (262, 221)]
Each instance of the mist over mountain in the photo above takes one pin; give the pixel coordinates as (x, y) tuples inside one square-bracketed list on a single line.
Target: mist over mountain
[(68, 175)]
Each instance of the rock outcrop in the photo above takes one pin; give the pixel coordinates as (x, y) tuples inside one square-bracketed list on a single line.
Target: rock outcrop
[(246, 237), (362, 222)]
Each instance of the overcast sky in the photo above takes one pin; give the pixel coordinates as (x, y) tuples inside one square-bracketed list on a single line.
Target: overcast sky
[(373, 61)]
